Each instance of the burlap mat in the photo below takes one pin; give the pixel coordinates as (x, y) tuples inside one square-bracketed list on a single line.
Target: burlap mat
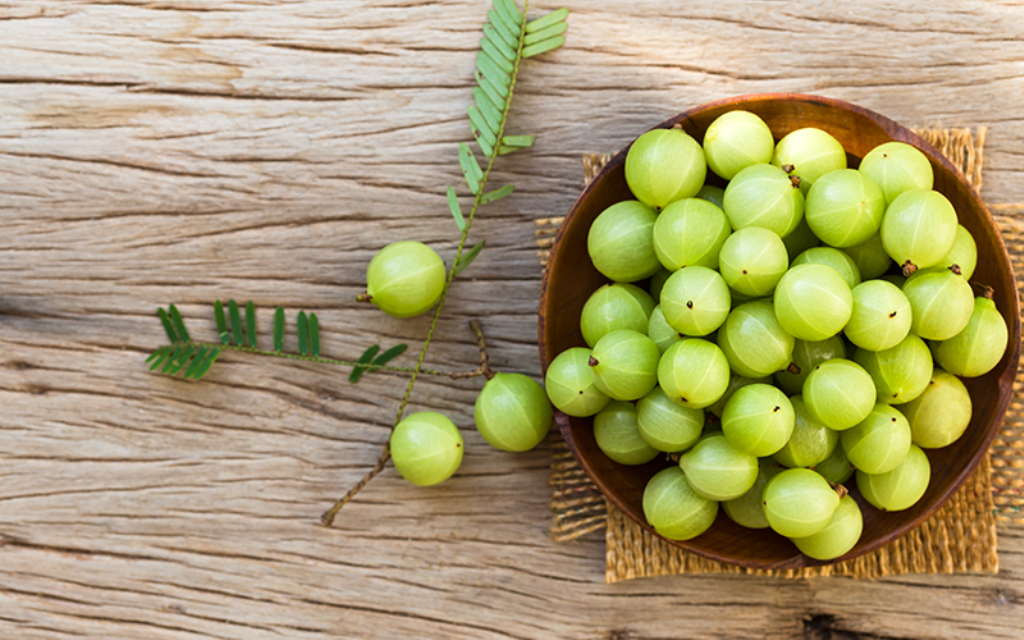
[(960, 537)]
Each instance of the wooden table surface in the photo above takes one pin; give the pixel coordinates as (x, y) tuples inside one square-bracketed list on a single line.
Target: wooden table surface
[(184, 151)]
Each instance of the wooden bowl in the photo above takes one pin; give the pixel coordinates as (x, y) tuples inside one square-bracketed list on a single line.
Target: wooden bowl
[(570, 278)]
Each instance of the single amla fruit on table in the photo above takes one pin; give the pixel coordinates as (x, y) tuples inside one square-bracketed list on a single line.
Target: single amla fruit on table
[(426, 448), (404, 279)]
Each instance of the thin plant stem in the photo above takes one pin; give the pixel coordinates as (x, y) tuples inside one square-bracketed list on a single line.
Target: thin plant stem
[(328, 516), (454, 375)]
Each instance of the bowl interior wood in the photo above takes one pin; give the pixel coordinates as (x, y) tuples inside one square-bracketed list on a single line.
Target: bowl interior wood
[(570, 278)]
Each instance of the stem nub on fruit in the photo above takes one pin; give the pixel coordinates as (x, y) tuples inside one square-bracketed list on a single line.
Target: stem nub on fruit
[(955, 268), (793, 368), (908, 268), (364, 297), (593, 361)]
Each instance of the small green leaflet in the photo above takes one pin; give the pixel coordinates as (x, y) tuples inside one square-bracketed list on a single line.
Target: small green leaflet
[(279, 329), (174, 358), (453, 204), (497, 194), (545, 34), (470, 167), (382, 359), (540, 24), (468, 258), (521, 142)]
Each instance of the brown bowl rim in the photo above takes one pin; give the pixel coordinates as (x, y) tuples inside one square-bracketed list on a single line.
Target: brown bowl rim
[(896, 132)]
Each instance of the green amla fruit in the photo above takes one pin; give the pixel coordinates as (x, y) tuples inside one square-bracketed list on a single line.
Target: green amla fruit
[(674, 509), (618, 434), (426, 448), (717, 470), (405, 279), (570, 385), (979, 347), (668, 426), (694, 373), (838, 537), (880, 442), (940, 415), (711, 193), (808, 154), (900, 373), (748, 510), (663, 166), (624, 364), (870, 257), (613, 307), (512, 412), (764, 196), (897, 167), (660, 332), (964, 254), (900, 488), (919, 229), (799, 503), (695, 301), (735, 141), (806, 355), (836, 468), (621, 243), (941, 303), (811, 441)]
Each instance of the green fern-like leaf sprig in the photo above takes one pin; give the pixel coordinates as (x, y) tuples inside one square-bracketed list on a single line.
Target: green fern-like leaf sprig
[(195, 358), (507, 40)]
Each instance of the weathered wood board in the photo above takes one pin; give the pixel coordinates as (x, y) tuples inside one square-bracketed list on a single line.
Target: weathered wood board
[(184, 151)]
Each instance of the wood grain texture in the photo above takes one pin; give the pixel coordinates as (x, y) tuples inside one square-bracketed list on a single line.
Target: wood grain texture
[(181, 151)]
